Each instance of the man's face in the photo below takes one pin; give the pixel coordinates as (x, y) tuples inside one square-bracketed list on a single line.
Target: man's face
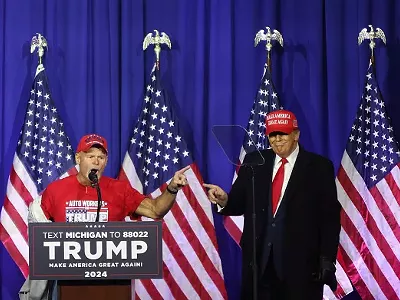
[(284, 144), (94, 158)]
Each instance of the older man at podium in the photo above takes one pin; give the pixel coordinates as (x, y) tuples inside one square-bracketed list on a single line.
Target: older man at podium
[(68, 200)]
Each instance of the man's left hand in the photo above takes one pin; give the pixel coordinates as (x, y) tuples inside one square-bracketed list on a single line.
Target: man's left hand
[(326, 273), (179, 180)]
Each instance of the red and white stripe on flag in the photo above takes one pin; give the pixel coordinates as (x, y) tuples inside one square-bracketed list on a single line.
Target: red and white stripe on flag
[(21, 191), (191, 262), (370, 236)]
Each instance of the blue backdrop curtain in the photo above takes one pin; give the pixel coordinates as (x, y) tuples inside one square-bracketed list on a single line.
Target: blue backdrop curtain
[(97, 73)]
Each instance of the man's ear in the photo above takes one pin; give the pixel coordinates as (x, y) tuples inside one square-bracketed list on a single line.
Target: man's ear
[(77, 158), (297, 136)]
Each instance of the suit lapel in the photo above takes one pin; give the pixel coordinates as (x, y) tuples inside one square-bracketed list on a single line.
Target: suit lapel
[(264, 180), (297, 175), (295, 180)]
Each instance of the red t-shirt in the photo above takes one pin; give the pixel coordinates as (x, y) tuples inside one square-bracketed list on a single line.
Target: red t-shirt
[(67, 200)]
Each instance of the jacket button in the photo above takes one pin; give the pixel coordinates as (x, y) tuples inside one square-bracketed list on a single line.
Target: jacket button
[(269, 244), (273, 225)]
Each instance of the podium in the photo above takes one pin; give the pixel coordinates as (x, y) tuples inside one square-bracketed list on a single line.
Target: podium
[(95, 260), (98, 290)]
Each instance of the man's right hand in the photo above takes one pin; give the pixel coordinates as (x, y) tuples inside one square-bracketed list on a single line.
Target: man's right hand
[(216, 195)]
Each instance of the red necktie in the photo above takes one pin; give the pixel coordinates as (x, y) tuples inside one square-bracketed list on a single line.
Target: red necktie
[(277, 185)]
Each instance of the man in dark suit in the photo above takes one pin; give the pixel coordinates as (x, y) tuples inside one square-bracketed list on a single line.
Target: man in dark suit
[(297, 216)]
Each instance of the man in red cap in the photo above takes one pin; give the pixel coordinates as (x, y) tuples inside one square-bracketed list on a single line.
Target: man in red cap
[(73, 199), (297, 216)]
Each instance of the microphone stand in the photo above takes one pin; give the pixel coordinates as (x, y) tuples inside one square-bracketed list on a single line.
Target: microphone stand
[(253, 225), (95, 183), (240, 131), (99, 201), (254, 254), (253, 232)]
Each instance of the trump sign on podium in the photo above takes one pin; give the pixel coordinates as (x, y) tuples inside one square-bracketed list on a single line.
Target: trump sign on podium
[(112, 250)]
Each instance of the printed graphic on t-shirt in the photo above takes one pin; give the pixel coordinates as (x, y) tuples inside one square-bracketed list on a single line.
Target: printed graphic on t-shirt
[(85, 211)]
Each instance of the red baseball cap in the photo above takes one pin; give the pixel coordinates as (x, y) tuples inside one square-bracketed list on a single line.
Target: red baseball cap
[(280, 121), (91, 140)]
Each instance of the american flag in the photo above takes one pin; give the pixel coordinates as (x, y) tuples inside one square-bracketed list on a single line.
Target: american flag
[(192, 267), (267, 100), (368, 183), (43, 155)]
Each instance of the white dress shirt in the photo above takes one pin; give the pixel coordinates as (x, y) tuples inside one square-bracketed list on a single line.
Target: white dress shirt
[(291, 159)]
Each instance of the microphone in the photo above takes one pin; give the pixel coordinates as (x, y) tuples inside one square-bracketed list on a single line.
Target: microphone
[(95, 183), (93, 177)]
